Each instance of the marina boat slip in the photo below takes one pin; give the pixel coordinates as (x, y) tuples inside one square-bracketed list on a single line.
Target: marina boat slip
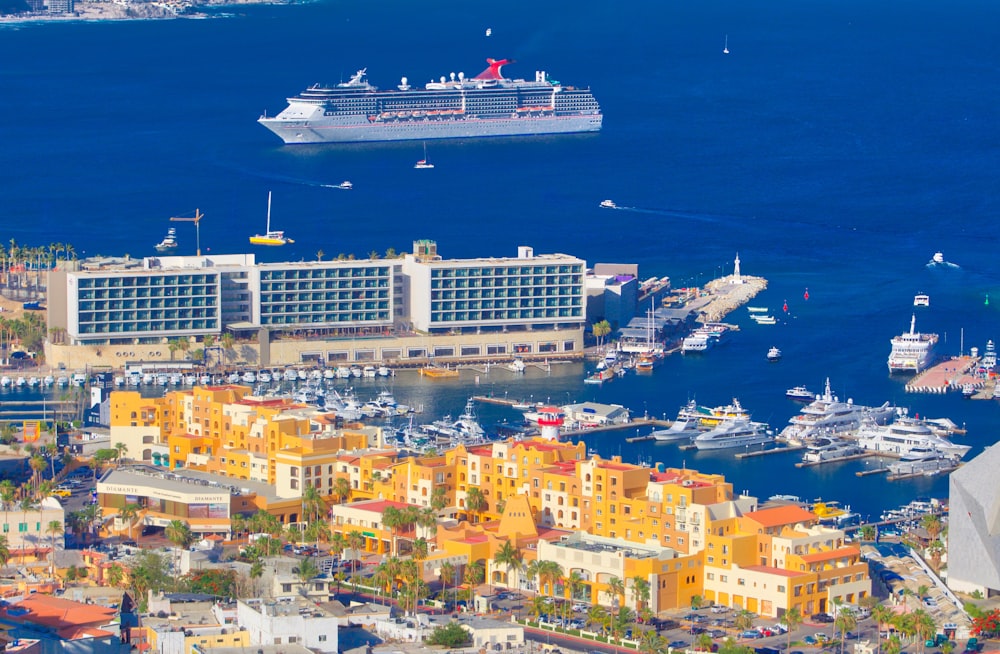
[(922, 460), (488, 104), (738, 433), (825, 449), (905, 434), (912, 351), (827, 415)]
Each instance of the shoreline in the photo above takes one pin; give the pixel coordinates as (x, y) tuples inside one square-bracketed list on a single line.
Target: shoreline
[(109, 11)]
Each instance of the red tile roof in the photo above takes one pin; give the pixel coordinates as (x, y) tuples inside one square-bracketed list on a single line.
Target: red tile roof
[(59, 613), (781, 515)]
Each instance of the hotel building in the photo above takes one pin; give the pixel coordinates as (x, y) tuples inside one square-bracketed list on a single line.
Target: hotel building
[(118, 311)]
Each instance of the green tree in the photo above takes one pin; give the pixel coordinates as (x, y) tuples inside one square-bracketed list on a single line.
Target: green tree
[(652, 643), (598, 616), (508, 557), (447, 574), (439, 498), (844, 622), (616, 589), (882, 614), (600, 330), (54, 529), (475, 502), (540, 605), (449, 635), (640, 592), (128, 514), (703, 642), (474, 573), (791, 620), (868, 532), (743, 620), (342, 489), (4, 551), (696, 602), (307, 571)]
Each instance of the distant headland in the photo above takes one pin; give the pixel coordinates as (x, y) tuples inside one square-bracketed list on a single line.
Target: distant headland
[(22, 11)]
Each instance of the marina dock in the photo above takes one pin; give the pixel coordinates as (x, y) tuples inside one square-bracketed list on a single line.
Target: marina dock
[(773, 450), (852, 457), (948, 375)]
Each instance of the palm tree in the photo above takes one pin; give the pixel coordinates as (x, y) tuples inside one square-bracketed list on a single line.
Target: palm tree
[(475, 502), (439, 498), (574, 583), (600, 330), (342, 489), (791, 620), (616, 589), (447, 573), (597, 616), (509, 557), (338, 543), (531, 573), (427, 519), (549, 572), (540, 606), (652, 643), (356, 541), (881, 614), (307, 571), (640, 592), (475, 572), (179, 533), (116, 574), (845, 622), (120, 450), (129, 513), (868, 532), (4, 551), (53, 529), (392, 518), (420, 548), (743, 620), (27, 504), (313, 506), (932, 523), (924, 626), (226, 342)]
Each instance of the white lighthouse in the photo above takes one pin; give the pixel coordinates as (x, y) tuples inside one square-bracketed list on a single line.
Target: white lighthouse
[(736, 271), (550, 421)]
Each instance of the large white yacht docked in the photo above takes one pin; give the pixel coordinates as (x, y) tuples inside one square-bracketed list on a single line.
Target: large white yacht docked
[(825, 449), (827, 415), (705, 337), (736, 433), (709, 417), (904, 435), (922, 461), (912, 351), (682, 429)]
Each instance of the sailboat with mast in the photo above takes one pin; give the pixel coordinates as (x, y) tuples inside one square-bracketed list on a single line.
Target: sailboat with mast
[(725, 48), (423, 163), (270, 237)]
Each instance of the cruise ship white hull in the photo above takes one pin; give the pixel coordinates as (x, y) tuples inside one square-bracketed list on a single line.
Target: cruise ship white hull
[(357, 129)]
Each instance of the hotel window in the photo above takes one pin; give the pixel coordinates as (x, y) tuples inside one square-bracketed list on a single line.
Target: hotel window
[(710, 576)]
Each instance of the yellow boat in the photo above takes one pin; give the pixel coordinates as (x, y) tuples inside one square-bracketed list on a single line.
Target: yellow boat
[(436, 372), (270, 237)]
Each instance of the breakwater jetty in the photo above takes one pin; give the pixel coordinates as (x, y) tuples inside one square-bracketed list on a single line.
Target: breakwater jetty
[(726, 294)]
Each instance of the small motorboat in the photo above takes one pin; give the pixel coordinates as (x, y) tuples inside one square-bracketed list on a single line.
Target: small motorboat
[(921, 300), (774, 354), (345, 185), (608, 204), (800, 394)]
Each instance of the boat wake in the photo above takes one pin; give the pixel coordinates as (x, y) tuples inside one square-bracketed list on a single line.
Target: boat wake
[(675, 213)]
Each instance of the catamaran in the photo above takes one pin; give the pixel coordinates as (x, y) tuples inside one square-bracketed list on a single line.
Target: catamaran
[(270, 237)]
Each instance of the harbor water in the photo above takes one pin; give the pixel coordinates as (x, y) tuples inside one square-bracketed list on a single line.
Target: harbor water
[(836, 148)]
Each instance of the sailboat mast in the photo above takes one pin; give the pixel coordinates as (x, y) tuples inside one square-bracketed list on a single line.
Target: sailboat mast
[(268, 213)]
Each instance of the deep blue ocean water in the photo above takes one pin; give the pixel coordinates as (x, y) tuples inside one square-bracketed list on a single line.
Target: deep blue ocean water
[(836, 148)]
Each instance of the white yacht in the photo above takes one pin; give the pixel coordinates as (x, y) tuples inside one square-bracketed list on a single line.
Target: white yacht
[(709, 417), (825, 449), (912, 351), (608, 204), (921, 300), (989, 361), (705, 337), (922, 460), (800, 394), (904, 435), (682, 429), (738, 433), (827, 415)]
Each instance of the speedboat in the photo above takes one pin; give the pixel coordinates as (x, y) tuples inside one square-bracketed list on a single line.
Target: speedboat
[(345, 185), (938, 257), (738, 433), (800, 394), (608, 204), (921, 300), (774, 354)]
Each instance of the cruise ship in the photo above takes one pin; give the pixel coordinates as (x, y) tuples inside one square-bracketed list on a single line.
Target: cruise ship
[(912, 351), (904, 435), (827, 415), (738, 433), (488, 104)]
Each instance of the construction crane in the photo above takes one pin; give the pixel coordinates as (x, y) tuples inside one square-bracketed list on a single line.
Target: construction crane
[(197, 228)]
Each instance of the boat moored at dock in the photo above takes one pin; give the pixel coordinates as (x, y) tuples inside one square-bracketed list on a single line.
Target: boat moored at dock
[(738, 433), (912, 351)]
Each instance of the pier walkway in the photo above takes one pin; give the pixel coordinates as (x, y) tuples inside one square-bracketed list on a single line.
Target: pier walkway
[(948, 375)]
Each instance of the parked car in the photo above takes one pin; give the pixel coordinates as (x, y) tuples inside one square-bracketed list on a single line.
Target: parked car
[(751, 633), (824, 618), (677, 644), (718, 608), (579, 607), (810, 640)]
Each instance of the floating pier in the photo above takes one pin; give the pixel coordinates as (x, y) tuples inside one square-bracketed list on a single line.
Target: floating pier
[(873, 471), (851, 457), (773, 450)]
